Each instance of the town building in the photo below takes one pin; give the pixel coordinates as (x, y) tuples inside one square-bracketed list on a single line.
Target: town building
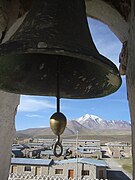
[(119, 150), (70, 168), (93, 152), (71, 148), (67, 142), (17, 153)]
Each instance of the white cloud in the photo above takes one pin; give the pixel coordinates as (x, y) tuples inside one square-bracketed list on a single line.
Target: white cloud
[(43, 126), (110, 51), (34, 116), (31, 104)]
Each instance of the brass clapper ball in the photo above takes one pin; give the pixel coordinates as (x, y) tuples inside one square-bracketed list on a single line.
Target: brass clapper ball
[(58, 123)]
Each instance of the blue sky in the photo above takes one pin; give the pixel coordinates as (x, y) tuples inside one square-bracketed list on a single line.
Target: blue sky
[(35, 111)]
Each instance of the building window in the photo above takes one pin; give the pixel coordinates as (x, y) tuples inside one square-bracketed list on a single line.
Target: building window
[(14, 169), (27, 168), (38, 171), (58, 171), (85, 173)]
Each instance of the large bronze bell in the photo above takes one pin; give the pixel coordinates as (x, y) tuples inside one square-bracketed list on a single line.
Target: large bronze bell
[(56, 30)]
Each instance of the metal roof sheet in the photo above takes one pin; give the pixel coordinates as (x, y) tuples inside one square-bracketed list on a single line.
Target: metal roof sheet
[(47, 152), (80, 140), (89, 161), (89, 148), (50, 152), (28, 161), (88, 152)]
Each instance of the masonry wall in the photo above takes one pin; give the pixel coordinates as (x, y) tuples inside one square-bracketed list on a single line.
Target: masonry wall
[(130, 75), (77, 168), (35, 170)]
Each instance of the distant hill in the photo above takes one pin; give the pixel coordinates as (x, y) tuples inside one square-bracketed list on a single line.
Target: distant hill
[(85, 125)]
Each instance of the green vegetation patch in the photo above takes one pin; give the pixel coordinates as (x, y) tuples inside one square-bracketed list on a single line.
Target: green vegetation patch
[(126, 164)]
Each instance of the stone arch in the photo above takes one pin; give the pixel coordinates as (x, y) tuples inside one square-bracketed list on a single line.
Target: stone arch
[(121, 20), (106, 13)]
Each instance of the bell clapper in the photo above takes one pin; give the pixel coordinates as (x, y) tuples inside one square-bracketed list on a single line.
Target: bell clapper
[(58, 121), (58, 145)]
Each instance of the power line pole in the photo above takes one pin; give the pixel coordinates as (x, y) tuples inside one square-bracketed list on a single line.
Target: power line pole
[(77, 156)]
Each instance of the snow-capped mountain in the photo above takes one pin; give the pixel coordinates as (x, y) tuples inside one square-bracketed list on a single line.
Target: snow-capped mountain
[(92, 122), (88, 116), (76, 126), (85, 125)]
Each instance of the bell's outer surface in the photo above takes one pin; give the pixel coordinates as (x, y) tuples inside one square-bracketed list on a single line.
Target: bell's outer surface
[(58, 123), (52, 31)]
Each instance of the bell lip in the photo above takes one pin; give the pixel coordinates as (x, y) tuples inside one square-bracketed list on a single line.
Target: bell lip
[(98, 59)]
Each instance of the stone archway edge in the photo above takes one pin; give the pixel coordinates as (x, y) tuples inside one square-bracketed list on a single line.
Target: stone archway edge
[(102, 11)]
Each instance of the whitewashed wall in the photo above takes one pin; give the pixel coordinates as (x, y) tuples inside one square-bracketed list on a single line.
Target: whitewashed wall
[(8, 107)]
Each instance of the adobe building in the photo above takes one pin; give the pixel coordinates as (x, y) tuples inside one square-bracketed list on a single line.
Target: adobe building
[(65, 169), (119, 150)]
